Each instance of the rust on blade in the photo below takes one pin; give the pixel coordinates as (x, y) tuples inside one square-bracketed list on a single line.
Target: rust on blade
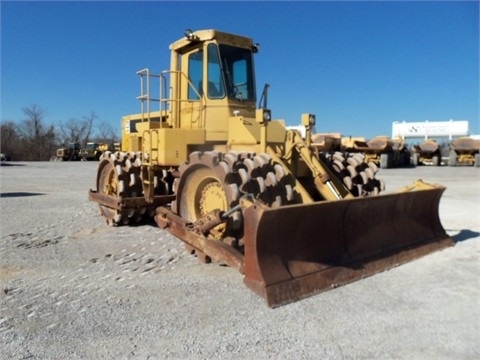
[(295, 251)]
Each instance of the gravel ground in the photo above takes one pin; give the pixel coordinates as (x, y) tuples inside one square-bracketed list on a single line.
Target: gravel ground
[(75, 288)]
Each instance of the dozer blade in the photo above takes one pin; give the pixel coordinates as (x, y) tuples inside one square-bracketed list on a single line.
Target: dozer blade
[(295, 251)]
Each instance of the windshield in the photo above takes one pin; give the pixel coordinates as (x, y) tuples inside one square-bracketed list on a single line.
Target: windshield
[(238, 69)]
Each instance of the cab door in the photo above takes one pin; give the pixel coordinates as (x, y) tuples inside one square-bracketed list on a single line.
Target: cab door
[(191, 83)]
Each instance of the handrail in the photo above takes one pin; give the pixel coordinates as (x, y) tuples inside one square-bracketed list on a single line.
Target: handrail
[(145, 91), (163, 100)]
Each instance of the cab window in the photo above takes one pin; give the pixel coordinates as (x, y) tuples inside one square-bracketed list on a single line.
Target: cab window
[(238, 69), (215, 88), (195, 74)]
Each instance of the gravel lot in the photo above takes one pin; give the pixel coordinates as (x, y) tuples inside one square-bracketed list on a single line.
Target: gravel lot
[(75, 288)]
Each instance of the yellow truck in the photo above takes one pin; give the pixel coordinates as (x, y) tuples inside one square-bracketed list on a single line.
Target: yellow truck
[(381, 150), (71, 152), (93, 151), (428, 152), (464, 151)]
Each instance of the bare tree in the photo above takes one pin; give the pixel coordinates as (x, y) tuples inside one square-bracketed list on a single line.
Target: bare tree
[(32, 127), (77, 131), (36, 141), (106, 133), (72, 130), (89, 120)]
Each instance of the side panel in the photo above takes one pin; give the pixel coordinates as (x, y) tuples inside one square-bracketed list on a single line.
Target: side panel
[(170, 146), (246, 131)]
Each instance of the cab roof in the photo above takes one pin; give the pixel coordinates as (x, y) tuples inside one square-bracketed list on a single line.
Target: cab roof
[(211, 34)]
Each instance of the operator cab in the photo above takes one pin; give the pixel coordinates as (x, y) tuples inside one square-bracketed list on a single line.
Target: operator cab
[(211, 79), (214, 72)]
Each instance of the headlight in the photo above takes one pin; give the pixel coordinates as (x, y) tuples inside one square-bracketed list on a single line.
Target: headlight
[(190, 35), (308, 119), (267, 115), (263, 115)]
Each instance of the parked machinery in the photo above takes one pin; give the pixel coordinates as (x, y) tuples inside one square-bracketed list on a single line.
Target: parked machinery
[(326, 142), (241, 189), (427, 153), (352, 144), (381, 150), (464, 151), (69, 153), (93, 151)]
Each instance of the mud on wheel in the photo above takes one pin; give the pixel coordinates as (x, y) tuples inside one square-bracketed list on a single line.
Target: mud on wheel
[(212, 180), (357, 175)]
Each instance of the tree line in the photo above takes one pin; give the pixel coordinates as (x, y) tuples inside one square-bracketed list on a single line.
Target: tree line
[(33, 140)]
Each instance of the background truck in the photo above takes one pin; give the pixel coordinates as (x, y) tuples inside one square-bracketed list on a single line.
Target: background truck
[(427, 152), (327, 142), (69, 153), (464, 151), (93, 151), (239, 188), (381, 150), (351, 144)]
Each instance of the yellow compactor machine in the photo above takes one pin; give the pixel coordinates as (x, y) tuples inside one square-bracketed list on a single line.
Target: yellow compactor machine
[(241, 189)]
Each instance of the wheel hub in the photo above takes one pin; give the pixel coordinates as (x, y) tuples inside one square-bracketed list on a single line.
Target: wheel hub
[(212, 198)]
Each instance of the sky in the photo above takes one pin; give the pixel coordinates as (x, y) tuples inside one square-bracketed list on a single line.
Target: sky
[(357, 65)]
